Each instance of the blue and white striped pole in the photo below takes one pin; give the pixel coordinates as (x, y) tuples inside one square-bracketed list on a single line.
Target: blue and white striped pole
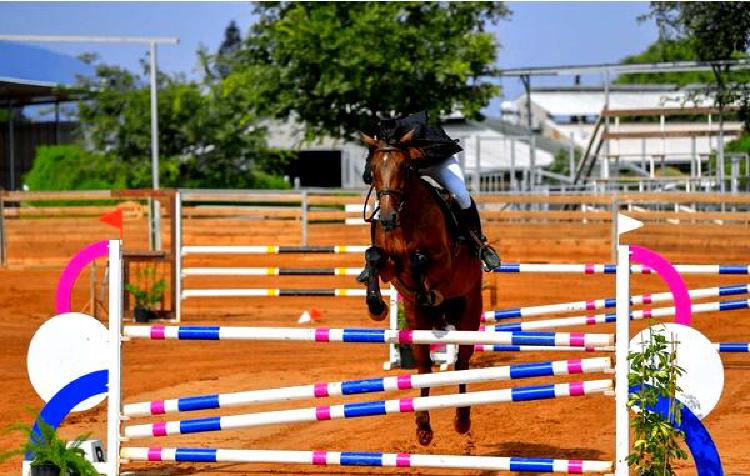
[(528, 326), (365, 335), (380, 384), (591, 305), (610, 268), (372, 408), (366, 458)]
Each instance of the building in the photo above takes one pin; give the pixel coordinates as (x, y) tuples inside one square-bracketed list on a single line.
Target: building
[(496, 154)]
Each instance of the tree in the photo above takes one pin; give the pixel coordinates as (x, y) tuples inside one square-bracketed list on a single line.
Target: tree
[(204, 139), (226, 55), (702, 31), (336, 66)]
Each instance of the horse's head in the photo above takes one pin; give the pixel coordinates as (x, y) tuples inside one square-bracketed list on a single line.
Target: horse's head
[(392, 167)]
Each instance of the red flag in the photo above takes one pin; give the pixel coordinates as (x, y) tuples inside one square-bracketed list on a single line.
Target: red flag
[(115, 219)]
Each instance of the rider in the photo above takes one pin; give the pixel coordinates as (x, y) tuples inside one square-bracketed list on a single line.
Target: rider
[(439, 150)]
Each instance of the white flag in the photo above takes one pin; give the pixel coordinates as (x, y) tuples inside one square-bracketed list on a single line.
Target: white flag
[(626, 224)]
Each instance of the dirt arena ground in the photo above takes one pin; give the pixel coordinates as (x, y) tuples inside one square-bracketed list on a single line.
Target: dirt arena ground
[(574, 428)]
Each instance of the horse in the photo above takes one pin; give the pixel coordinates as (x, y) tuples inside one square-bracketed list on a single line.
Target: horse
[(413, 247)]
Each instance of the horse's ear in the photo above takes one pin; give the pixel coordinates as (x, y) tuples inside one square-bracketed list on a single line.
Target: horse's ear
[(408, 137), (368, 140), (415, 153)]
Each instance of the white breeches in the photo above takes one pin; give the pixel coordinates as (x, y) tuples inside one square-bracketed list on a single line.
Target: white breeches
[(448, 174)]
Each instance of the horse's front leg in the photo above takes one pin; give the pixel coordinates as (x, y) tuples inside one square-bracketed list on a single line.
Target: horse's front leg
[(374, 259), (418, 319), (468, 320)]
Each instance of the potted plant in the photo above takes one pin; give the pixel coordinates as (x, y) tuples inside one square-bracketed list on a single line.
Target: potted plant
[(406, 354), (148, 296), (51, 455)]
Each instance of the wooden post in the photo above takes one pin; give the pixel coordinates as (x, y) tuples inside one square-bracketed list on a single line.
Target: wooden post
[(173, 244)]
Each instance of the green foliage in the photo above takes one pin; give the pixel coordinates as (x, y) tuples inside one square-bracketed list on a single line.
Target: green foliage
[(666, 50), (70, 167), (152, 292), (715, 30), (47, 448), (657, 441), (561, 163), (335, 66), (205, 138)]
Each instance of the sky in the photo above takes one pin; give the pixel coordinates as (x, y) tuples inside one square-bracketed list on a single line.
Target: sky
[(538, 33)]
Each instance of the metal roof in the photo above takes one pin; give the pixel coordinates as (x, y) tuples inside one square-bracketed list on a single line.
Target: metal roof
[(23, 92)]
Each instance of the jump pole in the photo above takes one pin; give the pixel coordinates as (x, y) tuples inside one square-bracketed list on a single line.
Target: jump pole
[(721, 347), (371, 408), (362, 458), (379, 384), (594, 304), (275, 292), (590, 268), (718, 306), (273, 249), (365, 335)]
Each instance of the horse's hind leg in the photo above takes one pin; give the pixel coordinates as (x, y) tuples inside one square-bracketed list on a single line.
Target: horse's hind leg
[(469, 321)]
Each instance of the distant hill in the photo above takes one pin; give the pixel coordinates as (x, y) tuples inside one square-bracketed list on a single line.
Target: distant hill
[(37, 63)]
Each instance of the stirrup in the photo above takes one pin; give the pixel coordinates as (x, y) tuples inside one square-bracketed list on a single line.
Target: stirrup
[(490, 258)]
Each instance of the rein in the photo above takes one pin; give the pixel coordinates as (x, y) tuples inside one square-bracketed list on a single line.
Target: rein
[(384, 192)]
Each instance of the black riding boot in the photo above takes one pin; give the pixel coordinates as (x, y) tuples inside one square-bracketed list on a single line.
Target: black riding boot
[(473, 225)]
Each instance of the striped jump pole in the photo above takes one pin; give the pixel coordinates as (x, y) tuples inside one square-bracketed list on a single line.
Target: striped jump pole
[(528, 311), (273, 249), (186, 293), (610, 268), (271, 271), (732, 346), (721, 347), (541, 348), (365, 335), (366, 458), (380, 384), (371, 408), (730, 305)]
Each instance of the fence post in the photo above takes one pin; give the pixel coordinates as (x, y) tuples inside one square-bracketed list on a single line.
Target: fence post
[(177, 255), (304, 218)]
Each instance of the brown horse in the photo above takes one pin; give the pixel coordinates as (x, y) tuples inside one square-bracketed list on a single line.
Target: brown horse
[(413, 248)]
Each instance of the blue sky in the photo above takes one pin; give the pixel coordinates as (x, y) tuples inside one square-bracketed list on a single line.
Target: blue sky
[(538, 34)]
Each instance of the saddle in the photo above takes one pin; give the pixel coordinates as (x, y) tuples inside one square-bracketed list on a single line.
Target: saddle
[(448, 205)]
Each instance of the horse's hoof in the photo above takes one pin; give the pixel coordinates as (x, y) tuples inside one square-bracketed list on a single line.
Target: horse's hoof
[(378, 317), (424, 436), (462, 421)]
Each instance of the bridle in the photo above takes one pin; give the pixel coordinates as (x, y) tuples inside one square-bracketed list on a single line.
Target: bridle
[(398, 195)]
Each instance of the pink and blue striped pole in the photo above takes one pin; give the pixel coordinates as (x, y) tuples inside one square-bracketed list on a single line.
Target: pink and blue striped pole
[(366, 458), (721, 347), (527, 326), (365, 335), (590, 305), (371, 408), (380, 384), (591, 268)]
